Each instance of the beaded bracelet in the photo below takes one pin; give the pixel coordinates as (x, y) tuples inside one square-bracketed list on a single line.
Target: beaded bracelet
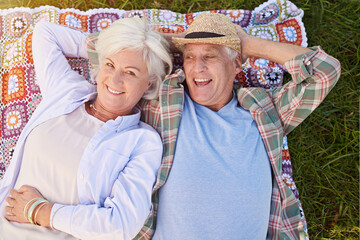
[(37, 211), (26, 206), (32, 207)]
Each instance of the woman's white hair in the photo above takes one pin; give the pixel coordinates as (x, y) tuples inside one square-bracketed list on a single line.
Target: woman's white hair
[(136, 34)]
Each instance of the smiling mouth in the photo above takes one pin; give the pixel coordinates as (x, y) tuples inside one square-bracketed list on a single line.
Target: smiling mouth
[(202, 81), (113, 91)]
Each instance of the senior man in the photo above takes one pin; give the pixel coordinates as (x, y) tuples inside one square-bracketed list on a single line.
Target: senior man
[(220, 176)]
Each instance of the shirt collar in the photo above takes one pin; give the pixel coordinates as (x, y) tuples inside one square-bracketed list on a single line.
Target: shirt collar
[(121, 122), (124, 122), (230, 106)]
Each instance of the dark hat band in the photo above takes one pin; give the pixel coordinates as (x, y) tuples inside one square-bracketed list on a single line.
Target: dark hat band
[(203, 35)]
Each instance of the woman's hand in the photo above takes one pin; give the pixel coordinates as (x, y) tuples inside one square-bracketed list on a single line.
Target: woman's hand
[(17, 201)]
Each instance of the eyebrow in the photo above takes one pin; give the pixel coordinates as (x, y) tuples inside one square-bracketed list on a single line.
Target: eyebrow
[(110, 60), (126, 66)]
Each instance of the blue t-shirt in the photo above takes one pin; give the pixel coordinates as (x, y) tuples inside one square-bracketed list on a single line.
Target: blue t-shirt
[(219, 186)]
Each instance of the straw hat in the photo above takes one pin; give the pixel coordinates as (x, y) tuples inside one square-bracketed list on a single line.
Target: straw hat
[(213, 28)]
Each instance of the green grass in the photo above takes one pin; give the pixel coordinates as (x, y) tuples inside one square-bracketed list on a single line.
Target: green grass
[(325, 148)]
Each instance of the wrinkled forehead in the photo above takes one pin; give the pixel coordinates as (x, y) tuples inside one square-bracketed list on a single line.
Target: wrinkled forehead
[(203, 47)]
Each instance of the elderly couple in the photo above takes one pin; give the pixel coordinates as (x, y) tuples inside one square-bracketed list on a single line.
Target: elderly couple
[(86, 167)]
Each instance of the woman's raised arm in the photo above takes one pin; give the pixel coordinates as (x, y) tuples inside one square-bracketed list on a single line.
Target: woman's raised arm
[(51, 44)]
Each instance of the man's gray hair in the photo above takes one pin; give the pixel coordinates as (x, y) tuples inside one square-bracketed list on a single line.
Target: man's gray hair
[(231, 53), (136, 34)]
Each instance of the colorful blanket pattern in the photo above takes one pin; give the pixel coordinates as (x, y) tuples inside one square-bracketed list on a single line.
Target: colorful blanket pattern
[(277, 20)]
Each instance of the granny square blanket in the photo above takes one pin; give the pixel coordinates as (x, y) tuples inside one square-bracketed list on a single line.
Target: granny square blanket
[(276, 20)]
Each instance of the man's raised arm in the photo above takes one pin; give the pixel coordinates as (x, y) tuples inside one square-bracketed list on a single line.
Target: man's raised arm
[(260, 48)]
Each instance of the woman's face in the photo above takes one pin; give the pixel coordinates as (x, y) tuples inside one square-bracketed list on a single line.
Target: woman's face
[(121, 82)]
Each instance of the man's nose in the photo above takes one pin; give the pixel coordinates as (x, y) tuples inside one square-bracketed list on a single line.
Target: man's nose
[(200, 65)]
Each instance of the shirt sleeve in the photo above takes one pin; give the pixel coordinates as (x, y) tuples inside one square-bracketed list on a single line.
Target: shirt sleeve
[(314, 74), (51, 44), (122, 214)]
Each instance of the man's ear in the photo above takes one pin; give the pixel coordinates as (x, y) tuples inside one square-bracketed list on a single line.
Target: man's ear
[(238, 63)]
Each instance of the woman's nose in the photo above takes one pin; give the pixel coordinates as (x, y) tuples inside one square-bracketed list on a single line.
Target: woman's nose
[(117, 77)]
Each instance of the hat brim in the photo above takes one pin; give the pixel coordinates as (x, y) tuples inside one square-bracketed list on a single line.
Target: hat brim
[(223, 41)]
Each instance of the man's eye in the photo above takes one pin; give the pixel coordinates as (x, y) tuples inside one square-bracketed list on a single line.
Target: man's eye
[(209, 56), (188, 57)]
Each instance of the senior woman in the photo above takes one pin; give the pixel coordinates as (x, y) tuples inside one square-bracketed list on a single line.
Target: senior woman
[(84, 165)]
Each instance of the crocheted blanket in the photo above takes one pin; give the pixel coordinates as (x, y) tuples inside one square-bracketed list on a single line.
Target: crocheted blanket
[(277, 20)]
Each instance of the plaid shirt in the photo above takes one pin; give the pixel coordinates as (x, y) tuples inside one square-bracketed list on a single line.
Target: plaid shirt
[(276, 113)]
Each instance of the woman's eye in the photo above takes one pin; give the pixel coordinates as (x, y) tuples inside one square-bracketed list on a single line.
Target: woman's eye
[(209, 56), (110, 65), (131, 73)]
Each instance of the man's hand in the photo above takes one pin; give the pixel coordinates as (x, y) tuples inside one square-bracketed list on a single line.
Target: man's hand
[(244, 37), (168, 37)]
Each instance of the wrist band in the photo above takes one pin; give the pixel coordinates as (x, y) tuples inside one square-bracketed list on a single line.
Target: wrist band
[(32, 207), (37, 211), (26, 206), (52, 217)]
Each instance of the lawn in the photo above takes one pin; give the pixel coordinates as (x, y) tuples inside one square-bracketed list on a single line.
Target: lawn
[(325, 148)]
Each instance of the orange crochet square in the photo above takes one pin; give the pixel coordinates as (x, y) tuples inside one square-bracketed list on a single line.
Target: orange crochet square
[(28, 48), (74, 20), (13, 85), (289, 31)]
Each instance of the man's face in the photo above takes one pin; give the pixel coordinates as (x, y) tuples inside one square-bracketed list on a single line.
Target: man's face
[(210, 74)]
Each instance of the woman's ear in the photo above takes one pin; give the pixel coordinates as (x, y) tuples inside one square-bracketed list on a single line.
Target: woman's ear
[(150, 82)]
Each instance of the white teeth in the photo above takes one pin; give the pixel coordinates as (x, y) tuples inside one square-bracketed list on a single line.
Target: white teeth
[(201, 80), (113, 91)]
